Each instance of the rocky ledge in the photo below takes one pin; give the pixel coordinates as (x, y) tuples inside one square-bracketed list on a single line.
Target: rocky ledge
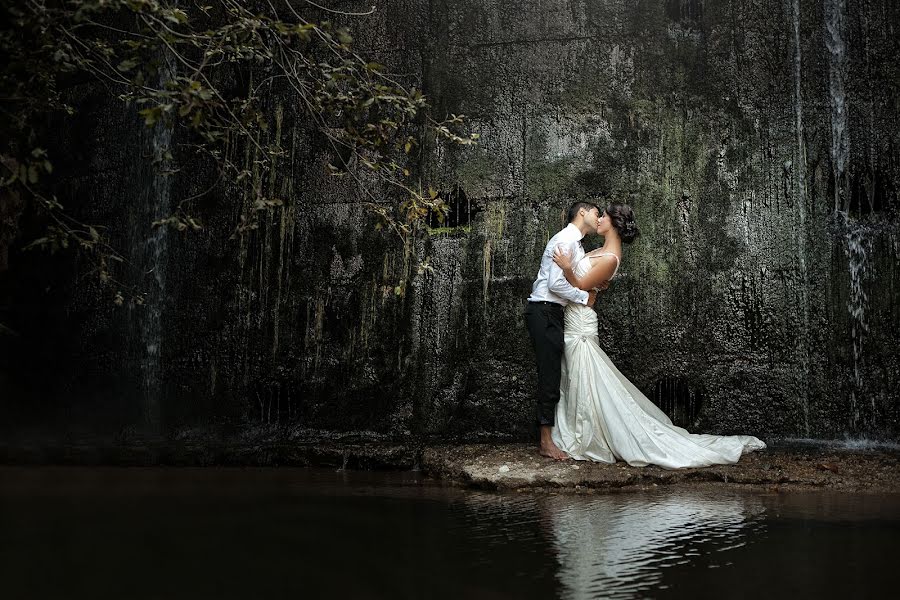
[(518, 466), (496, 465)]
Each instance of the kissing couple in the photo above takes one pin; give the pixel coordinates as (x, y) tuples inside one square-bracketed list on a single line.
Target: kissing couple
[(586, 408)]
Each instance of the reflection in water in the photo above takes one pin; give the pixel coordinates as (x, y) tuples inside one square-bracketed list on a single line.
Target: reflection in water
[(257, 533), (616, 546)]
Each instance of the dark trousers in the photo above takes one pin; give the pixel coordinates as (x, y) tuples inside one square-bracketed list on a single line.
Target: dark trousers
[(545, 325)]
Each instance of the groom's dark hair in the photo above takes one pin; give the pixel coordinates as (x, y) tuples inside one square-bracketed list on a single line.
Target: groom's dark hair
[(576, 206)]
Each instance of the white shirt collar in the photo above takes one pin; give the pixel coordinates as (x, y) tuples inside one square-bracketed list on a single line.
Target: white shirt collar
[(574, 231)]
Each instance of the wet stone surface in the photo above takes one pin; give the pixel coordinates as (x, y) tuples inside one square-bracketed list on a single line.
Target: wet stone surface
[(516, 466), (784, 465)]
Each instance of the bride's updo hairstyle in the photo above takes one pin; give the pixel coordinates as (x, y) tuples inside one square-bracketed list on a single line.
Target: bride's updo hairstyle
[(622, 218)]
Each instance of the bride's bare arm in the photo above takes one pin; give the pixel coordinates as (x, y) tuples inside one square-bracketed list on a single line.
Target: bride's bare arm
[(565, 263), (598, 276)]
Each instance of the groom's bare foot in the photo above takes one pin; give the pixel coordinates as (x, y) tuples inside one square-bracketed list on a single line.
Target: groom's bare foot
[(553, 452), (548, 448)]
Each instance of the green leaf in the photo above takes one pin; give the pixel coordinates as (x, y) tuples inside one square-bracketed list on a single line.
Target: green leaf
[(344, 36), (36, 242), (177, 16), (127, 64), (150, 115)]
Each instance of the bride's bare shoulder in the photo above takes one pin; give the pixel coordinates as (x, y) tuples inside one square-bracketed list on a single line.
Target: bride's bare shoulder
[(607, 257)]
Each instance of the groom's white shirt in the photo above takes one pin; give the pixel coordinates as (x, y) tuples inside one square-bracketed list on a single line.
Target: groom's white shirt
[(551, 284)]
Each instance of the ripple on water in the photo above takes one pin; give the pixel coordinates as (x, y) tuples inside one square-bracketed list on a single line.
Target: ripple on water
[(618, 545)]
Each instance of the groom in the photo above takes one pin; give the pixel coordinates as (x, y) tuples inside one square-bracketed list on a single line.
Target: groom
[(544, 316)]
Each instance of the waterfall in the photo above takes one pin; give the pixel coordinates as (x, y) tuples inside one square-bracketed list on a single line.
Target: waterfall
[(800, 198), (857, 234), (858, 250), (155, 252), (152, 252), (837, 68)]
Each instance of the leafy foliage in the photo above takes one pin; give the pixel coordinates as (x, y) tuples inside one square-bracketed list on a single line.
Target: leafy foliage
[(168, 59)]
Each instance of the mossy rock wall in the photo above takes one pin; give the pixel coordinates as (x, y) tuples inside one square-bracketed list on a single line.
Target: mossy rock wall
[(732, 128)]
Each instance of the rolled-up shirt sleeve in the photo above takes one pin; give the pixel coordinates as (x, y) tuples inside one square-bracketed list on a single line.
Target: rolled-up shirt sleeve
[(557, 283)]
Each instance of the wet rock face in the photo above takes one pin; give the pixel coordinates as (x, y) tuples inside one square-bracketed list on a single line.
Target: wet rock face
[(734, 131)]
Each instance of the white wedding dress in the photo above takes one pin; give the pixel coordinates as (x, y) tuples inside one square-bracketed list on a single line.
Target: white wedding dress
[(603, 417)]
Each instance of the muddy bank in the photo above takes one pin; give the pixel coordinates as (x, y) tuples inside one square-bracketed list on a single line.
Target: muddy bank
[(785, 465)]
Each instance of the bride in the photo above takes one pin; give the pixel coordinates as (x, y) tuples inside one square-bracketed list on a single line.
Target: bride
[(601, 416)]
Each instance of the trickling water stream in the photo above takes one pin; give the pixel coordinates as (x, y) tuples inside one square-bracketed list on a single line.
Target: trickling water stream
[(800, 198), (837, 68), (152, 252), (858, 249)]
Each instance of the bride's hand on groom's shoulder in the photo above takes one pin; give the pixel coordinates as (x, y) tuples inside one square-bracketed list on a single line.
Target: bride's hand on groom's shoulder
[(562, 259)]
